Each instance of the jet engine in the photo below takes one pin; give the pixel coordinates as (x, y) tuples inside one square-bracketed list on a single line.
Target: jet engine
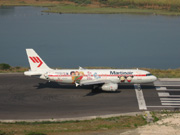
[(109, 87)]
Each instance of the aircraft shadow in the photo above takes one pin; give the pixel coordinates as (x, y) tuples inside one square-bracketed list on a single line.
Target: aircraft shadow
[(96, 92), (72, 86), (61, 86)]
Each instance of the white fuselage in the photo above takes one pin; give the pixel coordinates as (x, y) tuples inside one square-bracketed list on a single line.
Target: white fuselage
[(106, 79), (84, 75)]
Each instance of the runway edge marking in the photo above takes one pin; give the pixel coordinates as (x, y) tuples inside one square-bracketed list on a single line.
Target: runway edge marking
[(140, 97)]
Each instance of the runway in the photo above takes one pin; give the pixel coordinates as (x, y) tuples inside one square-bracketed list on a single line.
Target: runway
[(23, 97)]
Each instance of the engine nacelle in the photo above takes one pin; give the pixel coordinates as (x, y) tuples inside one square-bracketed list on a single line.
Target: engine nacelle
[(109, 87)]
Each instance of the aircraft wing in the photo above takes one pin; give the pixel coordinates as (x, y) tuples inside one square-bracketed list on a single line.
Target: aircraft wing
[(91, 82)]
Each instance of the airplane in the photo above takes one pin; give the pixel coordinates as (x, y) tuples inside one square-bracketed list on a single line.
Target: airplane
[(104, 79)]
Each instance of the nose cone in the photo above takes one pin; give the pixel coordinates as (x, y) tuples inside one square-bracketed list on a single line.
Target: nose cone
[(154, 78)]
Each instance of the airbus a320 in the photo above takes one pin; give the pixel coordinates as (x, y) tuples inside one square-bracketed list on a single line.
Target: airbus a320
[(104, 79)]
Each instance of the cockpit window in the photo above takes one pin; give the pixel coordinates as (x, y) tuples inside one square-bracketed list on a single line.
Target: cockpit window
[(148, 74)]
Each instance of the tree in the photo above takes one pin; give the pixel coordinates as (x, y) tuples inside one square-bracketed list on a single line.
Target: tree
[(4, 66)]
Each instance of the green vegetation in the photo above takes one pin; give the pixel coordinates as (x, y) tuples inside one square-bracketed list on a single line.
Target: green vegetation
[(35, 133), (158, 115), (70, 127), (6, 68), (164, 73), (6, 133), (2, 132), (162, 7), (80, 2), (64, 8), (160, 73), (155, 118), (98, 125), (173, 5)]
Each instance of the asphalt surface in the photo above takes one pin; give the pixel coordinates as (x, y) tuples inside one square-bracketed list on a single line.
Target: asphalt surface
[(23, 97)]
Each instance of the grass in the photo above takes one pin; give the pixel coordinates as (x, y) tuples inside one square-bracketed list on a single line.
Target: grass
[(162, 7), (35, 133), (55, 128), (63, 8), (160, 73), (14, 70), (98, 125), (2, 132), (155, 118), (159, 115), (164, 73)]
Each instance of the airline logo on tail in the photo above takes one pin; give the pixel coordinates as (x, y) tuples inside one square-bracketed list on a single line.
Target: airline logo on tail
[(36, 60)]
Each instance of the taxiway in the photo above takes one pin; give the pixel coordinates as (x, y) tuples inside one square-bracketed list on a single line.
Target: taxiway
[(24, 97)]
